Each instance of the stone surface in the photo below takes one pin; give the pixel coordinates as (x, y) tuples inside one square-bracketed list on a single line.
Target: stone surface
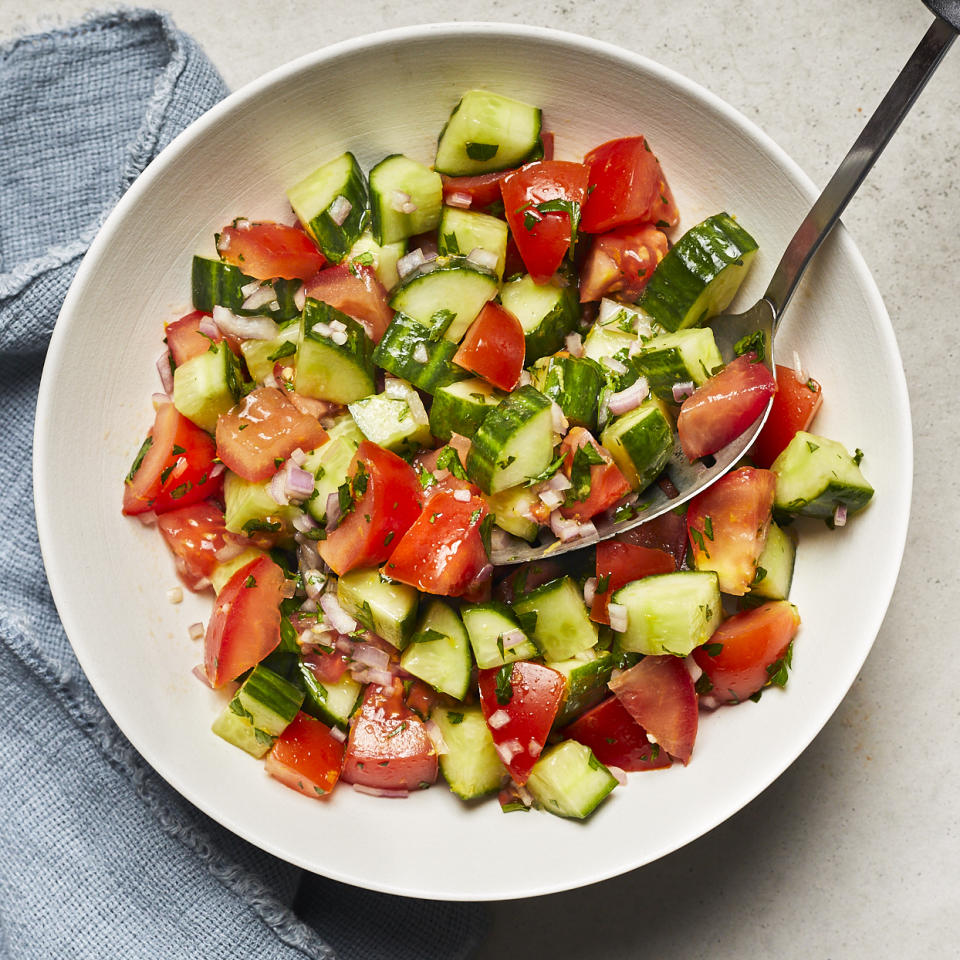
[(853, 852)]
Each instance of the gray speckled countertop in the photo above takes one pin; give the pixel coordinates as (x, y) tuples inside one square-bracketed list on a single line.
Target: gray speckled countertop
[(855, 851)]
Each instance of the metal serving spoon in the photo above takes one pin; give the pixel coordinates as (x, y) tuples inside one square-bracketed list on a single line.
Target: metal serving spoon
[(681, 479)]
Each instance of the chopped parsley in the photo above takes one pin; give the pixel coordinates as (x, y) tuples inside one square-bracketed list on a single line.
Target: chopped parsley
[(562, 205), (138, 459), (449, 459), (708, 527), (251, 581), (504, 687), (603, 582), (267, 526), (713, 649), (527, 620), (777, 671), (427, 636), (486, 525), (585, 457), (548, 473), (454, 717), (755, 342)]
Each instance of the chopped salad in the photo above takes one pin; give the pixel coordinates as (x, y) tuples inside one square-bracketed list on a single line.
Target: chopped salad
[(429, 358)]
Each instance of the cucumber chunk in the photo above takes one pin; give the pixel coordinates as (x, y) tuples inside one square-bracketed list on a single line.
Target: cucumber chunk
[(395, 422), (488, 132), (700, 275), (224, 571), (513, 443), (470, 766), (381, 257), (388, 609), (586, 684), (410, 350), (215, 283), (463, 231), (332, 703), (640, 442), (775, 566), (815, 475), (327, 370), (340, 180), (439, 651), (249, 507), (556, 618), (670, 612), (687, 356), (330, 464), (207, 385), (511, 511), (546, 311), (405, 198), (261, 355), (445, 295), (487, 624), (574, 384), (461, 407), (569, 781)]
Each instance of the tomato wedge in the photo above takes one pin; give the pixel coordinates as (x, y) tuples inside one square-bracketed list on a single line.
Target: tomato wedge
[(723, 407), (668, 533), (621, 563), (746, 652), (183, 339), (173, 466), (628, 187), (353, 289), (493, 347), (616, 738), (728, 524), (607, 483), (442, 552), (267, 250), (622, 262), (263, 428), (306, 757), (194, 534), (659, 694), (537, 201), (520, 701), (388, 747), (386, 500), (795, 404), (245, 625)]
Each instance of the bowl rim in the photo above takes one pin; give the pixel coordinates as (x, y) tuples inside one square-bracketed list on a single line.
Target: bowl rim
[(44, 450)]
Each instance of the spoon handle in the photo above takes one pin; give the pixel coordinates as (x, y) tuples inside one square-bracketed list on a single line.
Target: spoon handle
[(857, 163)]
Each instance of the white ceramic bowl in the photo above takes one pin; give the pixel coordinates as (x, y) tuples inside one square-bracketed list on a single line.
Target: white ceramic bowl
[(377, 95)]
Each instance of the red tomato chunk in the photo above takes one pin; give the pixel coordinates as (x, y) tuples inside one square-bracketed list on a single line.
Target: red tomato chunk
[(622, 262), (607, 483), (795, 404), (306, 757), (268, 250), (185, 342), (493, 347), (194, 535), (616, 738), (353, 289)]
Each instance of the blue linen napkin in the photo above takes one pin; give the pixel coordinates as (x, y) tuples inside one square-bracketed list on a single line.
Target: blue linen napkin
[(98, 856)]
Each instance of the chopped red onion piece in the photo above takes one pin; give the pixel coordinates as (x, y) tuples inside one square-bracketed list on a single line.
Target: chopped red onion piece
[(333, 511), (682, 390), (381, 792), (840, 515), (560, 424), (514, 636), (589, 591), (458, 198), (612, 363), (635, 348), (566, 530), (498, 719), (303, 522), (300, 298), (216, 470), (339, 210), (249, 288), (435, 735), (307, 556), (409, 262), (309, 606), (483, 258), (559, 481), (525, 379), (534, 747), (196, 631), (339, 619), (618, 617), (314, 582), (159, 399), (574, 344), (693, 668), (208, 328), (166, 374), (338, 734), (526, 797), (618, 774), (277, 489), (299, 482), (370, 656), (246, 328), (263, 294), (148, 518), (508, 750), (199, 671), (798, 370), (175, 595), (708, 702), (550, 498), (362, 674), (630, 398), (298, 456), (462, 495)]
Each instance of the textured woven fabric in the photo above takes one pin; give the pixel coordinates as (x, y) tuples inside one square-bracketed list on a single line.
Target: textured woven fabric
[(99, 858)]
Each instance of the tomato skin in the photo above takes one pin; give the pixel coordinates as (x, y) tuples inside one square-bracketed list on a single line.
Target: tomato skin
[(537, 692), (658, 693), (327, 667), (442, 552), (353, 289), (616, 738), (607, 482), (527, 577), (183, 340), (622, 563), (306, 757), (263, 427), (388, 747), (668, 533), (723, 407), (749, 642), (493, 347), (245, 624), (382, 514), (622, 261), (194, 534), (728, 523), (795, 404), (628, 187), (267, 250), (544, 245), (175, 471)]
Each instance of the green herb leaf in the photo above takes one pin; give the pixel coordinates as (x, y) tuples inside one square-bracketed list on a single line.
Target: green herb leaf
[(703, 685), (602, 583), (754, 342), (426, 636), (504, 687), (181, 491), (365, 259), (439, 322), (569, 207), (813, 447), (527, 620), (713, 649), (285, 349), (454, 717), (777, 671), (546, 474), (138, 459), (267, 526), (697, 538), (486, 526), (708, 526), (857, 456), (585, 457), (449, 459)]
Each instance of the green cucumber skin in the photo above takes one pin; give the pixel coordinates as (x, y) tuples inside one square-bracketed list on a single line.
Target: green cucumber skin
[(563, 628), (335, 240), (422, 184), (215, 283), (698, 258), (586, 686), (316, 699), (451, 414), (497, 429), (643, 449), (569, 781), (271, 700), (394, 353), (357, 352), (574, 383), (550, 333)]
